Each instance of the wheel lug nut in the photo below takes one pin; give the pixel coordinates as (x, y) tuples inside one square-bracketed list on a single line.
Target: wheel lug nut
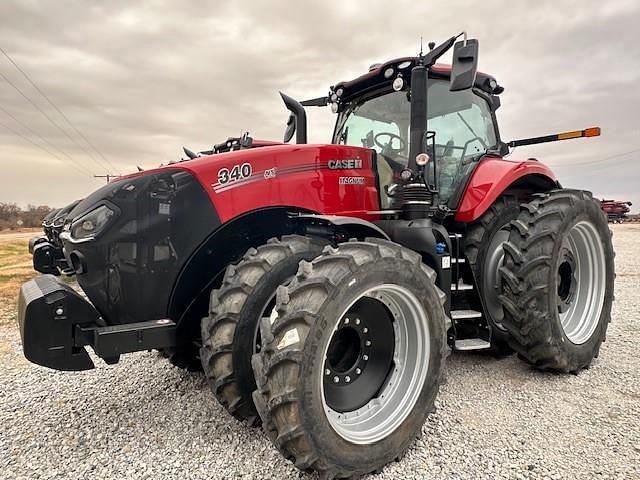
[(365, 330), (336, 379), (346, 321), (365, 357), (368, 343), (327, 372), (347, 379), (357, 321), (358, 371)]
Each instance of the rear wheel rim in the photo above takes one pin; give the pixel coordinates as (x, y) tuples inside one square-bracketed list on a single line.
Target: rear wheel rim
[(404, 379), (580, 282), (491, 277)]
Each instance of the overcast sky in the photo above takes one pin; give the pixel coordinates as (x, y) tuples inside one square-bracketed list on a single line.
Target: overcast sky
[(139, 81)]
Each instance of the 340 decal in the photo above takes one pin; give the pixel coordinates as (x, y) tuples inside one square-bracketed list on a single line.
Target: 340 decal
[(237, 172)]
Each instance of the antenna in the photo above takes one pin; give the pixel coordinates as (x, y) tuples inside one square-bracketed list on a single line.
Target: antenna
[(420, 45)]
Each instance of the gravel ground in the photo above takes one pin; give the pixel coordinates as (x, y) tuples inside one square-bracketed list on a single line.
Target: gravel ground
[(496, 418)]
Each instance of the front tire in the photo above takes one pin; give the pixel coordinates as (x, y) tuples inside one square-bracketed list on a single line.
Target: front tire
[(351, 366), (557, 280), (229, 333)]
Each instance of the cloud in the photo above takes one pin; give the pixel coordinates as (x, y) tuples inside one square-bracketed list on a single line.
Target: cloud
[(141, 80)]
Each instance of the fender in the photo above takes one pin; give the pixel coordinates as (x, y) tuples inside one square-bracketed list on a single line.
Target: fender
[(492, 177), (205, 267), (352, 227)]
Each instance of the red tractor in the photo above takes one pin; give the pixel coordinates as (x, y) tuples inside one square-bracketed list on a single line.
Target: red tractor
[(615, 210), (321, 287)]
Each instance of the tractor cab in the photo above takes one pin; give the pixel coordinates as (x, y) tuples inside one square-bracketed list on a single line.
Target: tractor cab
[(374, 111), (428, 124)]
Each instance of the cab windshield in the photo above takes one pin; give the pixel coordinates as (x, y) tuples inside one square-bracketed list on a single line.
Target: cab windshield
[(462, 121)]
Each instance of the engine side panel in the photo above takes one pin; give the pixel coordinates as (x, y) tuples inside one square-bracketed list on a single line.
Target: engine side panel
[(329, 179), (490, 179)]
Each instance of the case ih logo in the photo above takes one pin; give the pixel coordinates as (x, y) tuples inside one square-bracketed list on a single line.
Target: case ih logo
[(347, 164)]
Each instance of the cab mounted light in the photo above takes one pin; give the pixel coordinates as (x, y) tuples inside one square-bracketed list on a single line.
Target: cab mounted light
[(422, 159), (587, 132)]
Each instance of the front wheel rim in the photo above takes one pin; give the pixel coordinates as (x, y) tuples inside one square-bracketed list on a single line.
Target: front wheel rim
[(394, 401), (581, 282)]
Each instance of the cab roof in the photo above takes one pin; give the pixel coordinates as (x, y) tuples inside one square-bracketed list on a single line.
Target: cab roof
[(381, 75)]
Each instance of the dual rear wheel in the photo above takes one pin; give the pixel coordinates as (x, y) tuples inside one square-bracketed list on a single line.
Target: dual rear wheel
[(557, 280), (545, 273)]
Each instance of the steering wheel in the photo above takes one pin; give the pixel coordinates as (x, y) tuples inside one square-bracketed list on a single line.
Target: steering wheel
[(387, 146)]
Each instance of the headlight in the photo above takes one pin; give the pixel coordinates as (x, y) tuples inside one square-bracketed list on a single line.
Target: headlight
[(91, 224), (59, 221)]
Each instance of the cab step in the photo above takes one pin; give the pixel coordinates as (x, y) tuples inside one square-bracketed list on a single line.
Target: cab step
[(464, 314), (471, 344), (460, 286)]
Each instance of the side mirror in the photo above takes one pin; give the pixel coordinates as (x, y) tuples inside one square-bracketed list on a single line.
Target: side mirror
[(465, 65), (290, 129)]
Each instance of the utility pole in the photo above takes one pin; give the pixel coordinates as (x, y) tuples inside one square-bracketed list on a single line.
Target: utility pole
[(108, 176)]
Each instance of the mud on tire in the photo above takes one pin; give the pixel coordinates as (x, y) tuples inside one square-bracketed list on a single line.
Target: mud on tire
[(557, 280), (229, 332), (318, 313)]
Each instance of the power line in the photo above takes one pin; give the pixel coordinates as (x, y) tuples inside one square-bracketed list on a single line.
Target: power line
[(41, 147), (37, 107), (46, 97), (108, 176), (593, 162), (36, 134)]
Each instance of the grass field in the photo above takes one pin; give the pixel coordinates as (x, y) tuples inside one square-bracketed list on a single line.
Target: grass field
[(16, 268)]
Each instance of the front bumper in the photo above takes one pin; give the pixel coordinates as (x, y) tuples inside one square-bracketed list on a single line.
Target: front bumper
[(48, 311), (47, 257), (56, 324), (36, 241)]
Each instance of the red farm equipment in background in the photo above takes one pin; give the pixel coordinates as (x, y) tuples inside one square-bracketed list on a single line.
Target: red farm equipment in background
[(616, 211)]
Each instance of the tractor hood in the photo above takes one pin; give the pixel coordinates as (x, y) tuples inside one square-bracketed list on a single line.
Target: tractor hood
[(128, 240)]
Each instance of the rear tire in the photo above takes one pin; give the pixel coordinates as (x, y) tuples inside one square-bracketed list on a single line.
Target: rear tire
[(229, 332), (483, 249), (557, 280), (326, 393)]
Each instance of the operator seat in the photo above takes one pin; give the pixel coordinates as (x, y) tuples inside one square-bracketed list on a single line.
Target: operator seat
[(448, 167), (388, 172)]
